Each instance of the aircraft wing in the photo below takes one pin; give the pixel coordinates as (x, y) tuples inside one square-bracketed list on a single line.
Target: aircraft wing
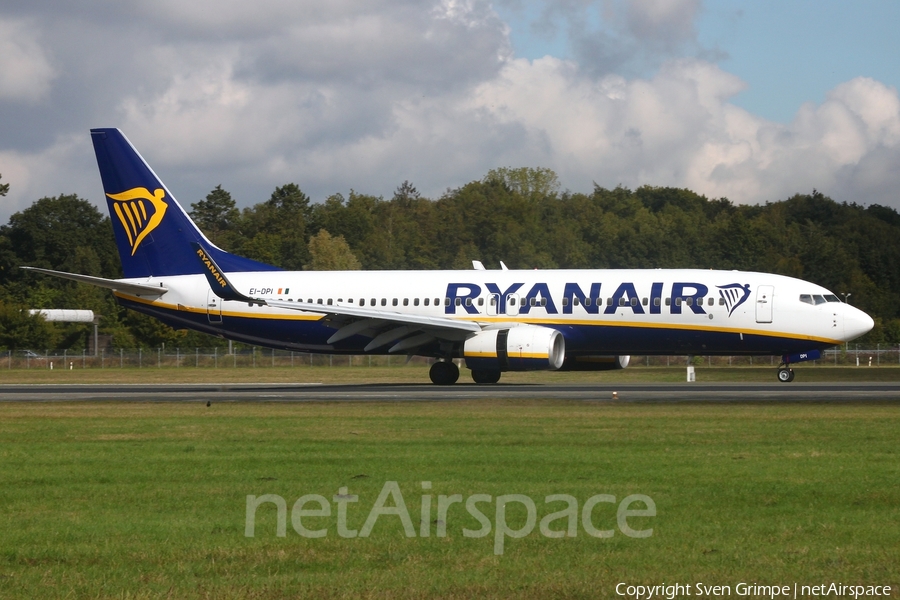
[(137, 289), (373, 313), (406, 331)]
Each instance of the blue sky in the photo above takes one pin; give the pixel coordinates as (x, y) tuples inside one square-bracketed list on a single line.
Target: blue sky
[(753, 101), (788, 52)]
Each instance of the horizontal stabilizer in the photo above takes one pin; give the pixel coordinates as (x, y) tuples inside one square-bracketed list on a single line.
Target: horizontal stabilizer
[(135, 289)]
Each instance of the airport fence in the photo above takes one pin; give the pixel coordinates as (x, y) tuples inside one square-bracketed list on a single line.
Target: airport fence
[(260, 358)]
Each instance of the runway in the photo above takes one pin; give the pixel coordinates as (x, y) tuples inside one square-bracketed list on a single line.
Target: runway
[(661, 393)]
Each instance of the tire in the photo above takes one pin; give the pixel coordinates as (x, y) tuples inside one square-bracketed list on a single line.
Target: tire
[(485, 376), (444, 373), (785, 375)]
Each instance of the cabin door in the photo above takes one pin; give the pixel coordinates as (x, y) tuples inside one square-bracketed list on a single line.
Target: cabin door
[(213, 308), (765, 294)]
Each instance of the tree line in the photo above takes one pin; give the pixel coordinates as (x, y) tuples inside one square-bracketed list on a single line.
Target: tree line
[(518, 216)]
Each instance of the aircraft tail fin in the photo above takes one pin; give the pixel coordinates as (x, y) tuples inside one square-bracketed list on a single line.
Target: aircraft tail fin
[(153, 232)]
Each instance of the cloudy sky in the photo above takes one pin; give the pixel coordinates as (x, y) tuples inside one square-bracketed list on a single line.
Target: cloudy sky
[(754, 101)]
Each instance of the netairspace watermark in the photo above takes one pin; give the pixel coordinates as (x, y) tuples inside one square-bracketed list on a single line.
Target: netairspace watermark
[(749, 590), (558, 524)]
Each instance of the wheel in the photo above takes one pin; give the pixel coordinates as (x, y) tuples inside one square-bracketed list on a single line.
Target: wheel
[(485, 376), (785, 375), (444, 373)]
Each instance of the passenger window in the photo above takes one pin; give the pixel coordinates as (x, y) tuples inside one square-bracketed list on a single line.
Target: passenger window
[(678, 301), (668, 302), (806, 299), (634, 301), (458, 301), (609, 302), (721, 301), (426, 301), (565, 301), (437, 302), (656, 302), (711, 301), (329, 302), (468, 302), (481, 302), (319, 301), (645, 301), (406, 302), (574, 301), (689, 301), (384, 301), (543, 302), (416, 302)]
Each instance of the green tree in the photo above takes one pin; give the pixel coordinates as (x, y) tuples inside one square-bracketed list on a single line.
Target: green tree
[(216, 216), (4, 187), (530, 182), (274, 231), (20, 329), (329, 253)]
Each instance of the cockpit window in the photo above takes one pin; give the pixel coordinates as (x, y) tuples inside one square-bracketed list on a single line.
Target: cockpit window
[(817, 299)]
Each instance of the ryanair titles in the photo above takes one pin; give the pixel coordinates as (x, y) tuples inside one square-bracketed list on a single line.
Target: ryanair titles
[(681, 296), (212, 267)]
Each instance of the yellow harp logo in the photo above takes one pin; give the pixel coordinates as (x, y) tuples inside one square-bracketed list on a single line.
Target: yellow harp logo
[(133, 213)]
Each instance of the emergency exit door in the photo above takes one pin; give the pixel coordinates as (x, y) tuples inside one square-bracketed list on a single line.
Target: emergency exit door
[(765, 294)]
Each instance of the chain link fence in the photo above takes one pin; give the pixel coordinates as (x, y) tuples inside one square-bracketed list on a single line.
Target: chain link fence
[(261, 358)]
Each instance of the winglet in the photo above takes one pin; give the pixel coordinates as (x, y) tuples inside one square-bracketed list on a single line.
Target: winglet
[(220, 285)]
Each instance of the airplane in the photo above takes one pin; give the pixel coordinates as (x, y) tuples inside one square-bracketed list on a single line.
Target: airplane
[(494, 321)]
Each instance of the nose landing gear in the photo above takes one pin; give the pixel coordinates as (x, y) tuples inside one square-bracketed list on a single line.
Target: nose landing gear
[(785, 374)]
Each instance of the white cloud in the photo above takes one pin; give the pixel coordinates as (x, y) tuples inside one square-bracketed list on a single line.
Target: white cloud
[(25, 70), (333, 97)]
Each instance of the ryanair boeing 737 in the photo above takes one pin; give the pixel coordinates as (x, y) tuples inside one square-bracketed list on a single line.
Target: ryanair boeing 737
[(495, 321)]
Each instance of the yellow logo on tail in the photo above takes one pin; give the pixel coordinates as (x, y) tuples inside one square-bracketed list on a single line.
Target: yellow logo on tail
[(133, 214)]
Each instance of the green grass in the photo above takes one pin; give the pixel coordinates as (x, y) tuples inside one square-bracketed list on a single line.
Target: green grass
[(148, 500), (418, 373)]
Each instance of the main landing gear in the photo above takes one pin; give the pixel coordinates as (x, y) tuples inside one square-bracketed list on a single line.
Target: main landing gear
[(485, 376), (444, 373), (785, 374)]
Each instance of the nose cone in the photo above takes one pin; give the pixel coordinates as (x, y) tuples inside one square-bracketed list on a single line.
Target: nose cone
[(856, 323)]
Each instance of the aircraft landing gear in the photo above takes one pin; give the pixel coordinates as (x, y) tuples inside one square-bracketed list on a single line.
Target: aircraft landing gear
[(785, 374), (444, 373), (485, 376)]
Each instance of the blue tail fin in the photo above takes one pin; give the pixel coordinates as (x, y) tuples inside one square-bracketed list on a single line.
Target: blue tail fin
[(153, 232)]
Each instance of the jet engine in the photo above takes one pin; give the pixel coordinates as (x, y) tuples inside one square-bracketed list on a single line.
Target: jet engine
[(523, 348)]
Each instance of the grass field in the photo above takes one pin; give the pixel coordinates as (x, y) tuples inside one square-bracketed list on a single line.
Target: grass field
[(121, 500)]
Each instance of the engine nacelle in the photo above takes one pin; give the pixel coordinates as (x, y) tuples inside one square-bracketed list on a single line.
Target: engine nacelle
[(595, 363), (524, 348)]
